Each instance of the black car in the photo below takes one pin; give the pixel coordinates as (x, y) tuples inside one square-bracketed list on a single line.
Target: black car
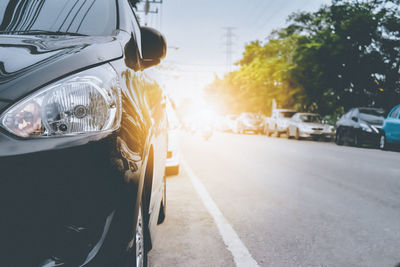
[(83, 137), (360, 126)]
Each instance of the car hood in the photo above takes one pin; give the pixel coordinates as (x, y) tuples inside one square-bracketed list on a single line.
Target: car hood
[(29, 62), (252, 121), (376, 122)]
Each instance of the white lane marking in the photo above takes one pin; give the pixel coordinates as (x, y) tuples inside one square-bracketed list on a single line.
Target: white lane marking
[(240, 253)]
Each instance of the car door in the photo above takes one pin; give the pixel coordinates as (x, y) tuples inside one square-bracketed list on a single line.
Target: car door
[(345, 125), (294, 121), (392, 126), (354, 124), (155, 99)]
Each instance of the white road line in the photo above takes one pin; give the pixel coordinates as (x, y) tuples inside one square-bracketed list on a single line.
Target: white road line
[(240, 253)]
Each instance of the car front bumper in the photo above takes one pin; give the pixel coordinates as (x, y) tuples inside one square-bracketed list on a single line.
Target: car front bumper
[(316, 134), (57, 204), (254, 128)]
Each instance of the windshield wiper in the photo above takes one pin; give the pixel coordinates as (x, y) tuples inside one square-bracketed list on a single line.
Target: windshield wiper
[(41, 32)]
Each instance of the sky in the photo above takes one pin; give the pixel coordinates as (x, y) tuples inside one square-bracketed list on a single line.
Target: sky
[(196, 35)]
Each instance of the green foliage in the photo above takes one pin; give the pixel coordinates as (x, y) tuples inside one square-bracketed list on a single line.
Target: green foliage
[(344, 55)]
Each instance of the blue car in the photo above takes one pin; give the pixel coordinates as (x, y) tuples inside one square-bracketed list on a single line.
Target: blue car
[(391, 129)]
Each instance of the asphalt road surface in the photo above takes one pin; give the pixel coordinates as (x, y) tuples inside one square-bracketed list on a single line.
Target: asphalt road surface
[(278, 202)]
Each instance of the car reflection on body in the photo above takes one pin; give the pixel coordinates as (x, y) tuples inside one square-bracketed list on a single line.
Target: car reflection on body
[(173, 154), (309, 125), (390, 133), (360, 126), (249, 122), (83, 135)]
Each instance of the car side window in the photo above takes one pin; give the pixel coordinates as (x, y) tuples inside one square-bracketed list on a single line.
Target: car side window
[(348, 114), (395, 114), (355, 113)]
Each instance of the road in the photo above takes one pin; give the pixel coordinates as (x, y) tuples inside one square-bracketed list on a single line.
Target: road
[(290, 203)]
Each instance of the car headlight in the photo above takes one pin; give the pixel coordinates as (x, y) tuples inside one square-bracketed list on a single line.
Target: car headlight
[(87, 102), (365, 127)]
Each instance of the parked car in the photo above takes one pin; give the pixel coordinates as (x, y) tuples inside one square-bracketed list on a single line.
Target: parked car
[(309, 125), (228, 123), (360, 126), (249, 122), (390, 133), (83, 137), (278, 122), (173, 153)]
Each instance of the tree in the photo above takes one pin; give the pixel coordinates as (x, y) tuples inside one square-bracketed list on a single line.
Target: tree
[(346, 54)]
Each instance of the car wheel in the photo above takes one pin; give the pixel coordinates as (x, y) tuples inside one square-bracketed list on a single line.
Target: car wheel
[(382, 142), (141, 253), (338, 138), (356, 140), (277, 134), (288, 134), (267, 131), (138, 254), (297, 136)]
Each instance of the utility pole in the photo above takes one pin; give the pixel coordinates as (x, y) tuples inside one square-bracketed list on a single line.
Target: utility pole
[(147, 9), (229, 44)]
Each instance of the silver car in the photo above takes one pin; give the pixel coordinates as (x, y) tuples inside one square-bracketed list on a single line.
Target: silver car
[(309, 125)]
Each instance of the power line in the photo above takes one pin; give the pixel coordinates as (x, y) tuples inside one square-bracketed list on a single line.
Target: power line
[(252, 9), (262, 8), (229, 44)]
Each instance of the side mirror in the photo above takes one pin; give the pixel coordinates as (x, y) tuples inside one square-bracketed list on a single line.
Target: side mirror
[(154, 47)]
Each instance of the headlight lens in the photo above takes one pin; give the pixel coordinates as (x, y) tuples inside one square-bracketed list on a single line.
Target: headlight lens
[(82, 103)]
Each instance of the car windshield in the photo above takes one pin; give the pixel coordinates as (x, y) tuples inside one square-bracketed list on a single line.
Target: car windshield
[(252, 116), (310, 118), (287, 114), (372, 115), (95, 17)]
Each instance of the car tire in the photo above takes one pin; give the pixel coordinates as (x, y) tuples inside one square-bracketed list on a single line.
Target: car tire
[(297, 136), (382, 142), (356, 140), (267, 131), (338, 138), (163, 207), (277, 133), (140, 249), (288, 134), (137, 256)]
